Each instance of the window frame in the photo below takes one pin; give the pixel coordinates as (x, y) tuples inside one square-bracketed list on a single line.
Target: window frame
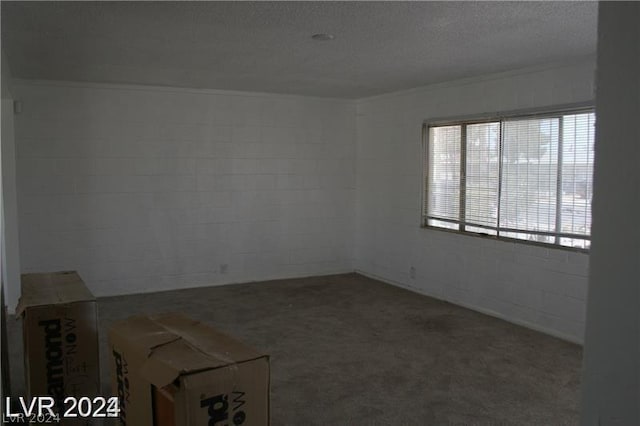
[(554, 111)]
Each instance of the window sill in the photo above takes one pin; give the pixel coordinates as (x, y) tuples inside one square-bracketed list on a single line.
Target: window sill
[(507, 239)]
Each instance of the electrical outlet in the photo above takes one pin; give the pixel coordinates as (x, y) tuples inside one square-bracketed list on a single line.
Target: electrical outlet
[(224, 268), (412, 273)]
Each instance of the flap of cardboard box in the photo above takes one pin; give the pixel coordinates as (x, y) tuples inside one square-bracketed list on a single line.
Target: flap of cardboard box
[(52, 289), (142, 334), (178, 345)]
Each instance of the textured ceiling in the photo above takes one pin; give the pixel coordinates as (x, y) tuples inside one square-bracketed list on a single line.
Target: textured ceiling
[(266, 46)]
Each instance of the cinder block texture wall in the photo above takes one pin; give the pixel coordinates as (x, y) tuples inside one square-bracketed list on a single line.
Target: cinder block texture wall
[(543, 288), (145, 189)]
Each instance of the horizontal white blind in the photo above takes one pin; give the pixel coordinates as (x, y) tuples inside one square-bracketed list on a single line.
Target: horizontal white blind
[(524, 177), (482, 168), (529, 178), (577, 177), (444, 175)]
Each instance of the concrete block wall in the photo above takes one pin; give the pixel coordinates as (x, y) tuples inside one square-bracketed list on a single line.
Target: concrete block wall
[(144, 189), (542, 288)]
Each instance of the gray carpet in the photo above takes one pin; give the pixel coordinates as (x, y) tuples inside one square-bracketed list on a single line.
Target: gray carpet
[(349, 350)]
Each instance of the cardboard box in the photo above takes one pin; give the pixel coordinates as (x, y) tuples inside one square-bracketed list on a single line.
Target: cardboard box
[(171, 370), (60, 337)]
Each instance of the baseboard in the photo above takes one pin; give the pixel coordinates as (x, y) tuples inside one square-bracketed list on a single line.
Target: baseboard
[(526, 324)]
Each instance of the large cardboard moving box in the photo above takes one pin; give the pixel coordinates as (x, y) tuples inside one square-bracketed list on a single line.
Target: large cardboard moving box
[(171, 370), (60, 336)]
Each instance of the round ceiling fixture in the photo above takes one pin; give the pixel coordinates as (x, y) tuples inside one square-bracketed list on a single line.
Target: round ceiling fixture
[(323, 37)]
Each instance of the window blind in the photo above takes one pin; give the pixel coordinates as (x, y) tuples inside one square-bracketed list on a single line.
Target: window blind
[(481, 177), (525, 177), (529, 178), (444, 176), (577, 177)]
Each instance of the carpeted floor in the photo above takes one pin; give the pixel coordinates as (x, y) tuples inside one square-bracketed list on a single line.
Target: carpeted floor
[(349, 350)]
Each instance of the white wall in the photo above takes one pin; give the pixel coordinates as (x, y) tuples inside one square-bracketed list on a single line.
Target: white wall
[(5, 72), (543, 288), (143, 189), (611, 367), (9, 215)]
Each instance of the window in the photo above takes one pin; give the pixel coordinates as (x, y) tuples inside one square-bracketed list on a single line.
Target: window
[(522, 177)]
